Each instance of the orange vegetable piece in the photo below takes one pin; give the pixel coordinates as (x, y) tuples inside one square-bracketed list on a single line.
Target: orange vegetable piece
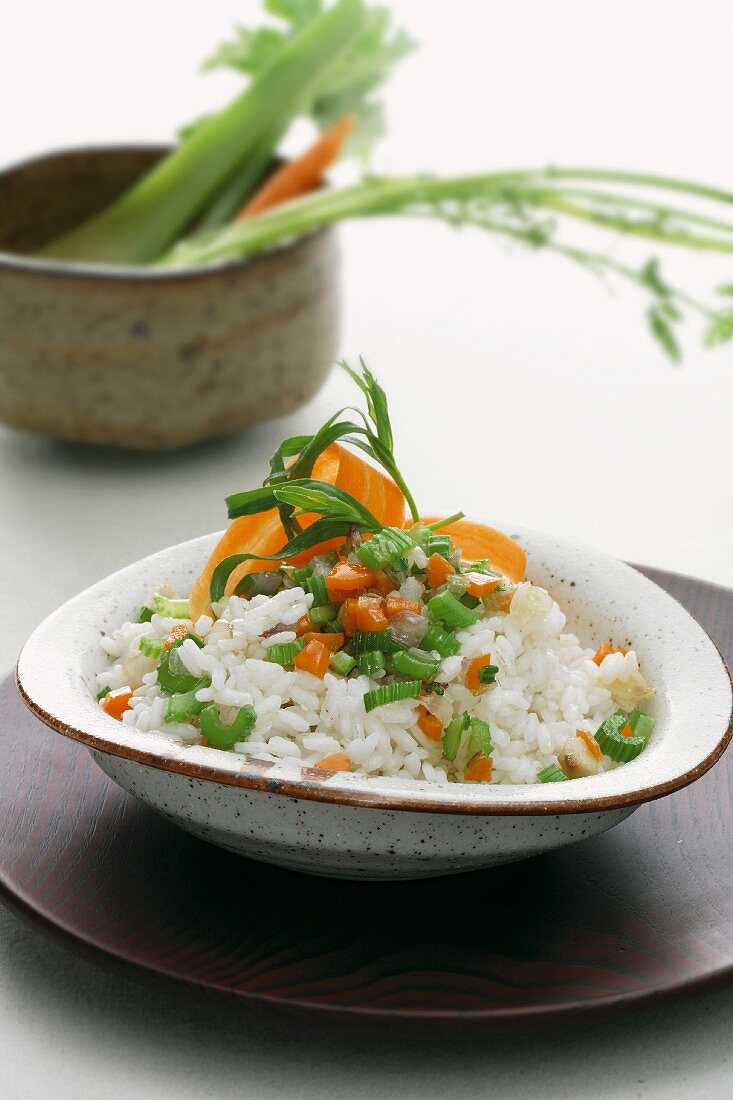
[(594, 747), (626, 731), (303, 174), (473, 683), (369, 614), (382, 583), (438, 570), (347, 616), (480, 585), (336, 762), (349, 577), (431, 726), (479, 769), (332, 642), (314, 658), (606, 650), (264, 533), (115, 703), (303, 626), (476, 541), (395, 605)]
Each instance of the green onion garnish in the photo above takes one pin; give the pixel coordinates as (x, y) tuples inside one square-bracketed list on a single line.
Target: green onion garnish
[(391, 693), (302, 576), (415, 663), (342, 663), (173, 609), (382, 550), (369, 663), (434, 689), (487, 674), (552, 774), (101, 694), (185, 705), (641, 724), (479, 737), (439, 544), (316, 585), (220, 736), (324, 613), (449, 610), (152, 647), (452, 735), (145, 614), (364, 641), (435, 637), (285, 653), (614, 744)]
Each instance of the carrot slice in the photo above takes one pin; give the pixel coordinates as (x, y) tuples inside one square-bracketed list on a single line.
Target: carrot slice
[(395, 605), (479, 769), (336, 762), (303, 174), (115, 703), (332, 642), (314, 658), (431, 726), (438, 570), (605, 650), (369, 614), (264, 534), (476, 542), (473, 682), (593, 746)]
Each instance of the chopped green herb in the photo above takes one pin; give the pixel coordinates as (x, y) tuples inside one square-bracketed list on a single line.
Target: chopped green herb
[(487, 674), (451, 611), (385, 548), (145, 614), (369, 663), (173, 676), (479, 737), (342, 663), (324, 613), (641, 724), (415, 663), (366, 640), (152, 647), (183, 706), (316, 585), (435, 637), (302, 575), (434, 689), (614, 744), (172, 609), (453, 734), (439, 544), (391, 693), (285, 653), (101, 694)]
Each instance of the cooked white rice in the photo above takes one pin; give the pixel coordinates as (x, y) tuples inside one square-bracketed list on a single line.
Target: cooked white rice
[(547, 687)]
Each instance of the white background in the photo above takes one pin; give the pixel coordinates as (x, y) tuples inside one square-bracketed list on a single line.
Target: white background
[(521, 389)]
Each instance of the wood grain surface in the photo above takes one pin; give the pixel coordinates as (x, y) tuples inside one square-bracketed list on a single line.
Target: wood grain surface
[(641, 913)]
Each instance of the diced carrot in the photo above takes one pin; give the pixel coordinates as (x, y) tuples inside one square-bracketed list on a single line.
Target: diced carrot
[(395, 605), (347, 616), (473, 682), (503, 600), (348, 577), (332, 642), (594, 747), (115, 703), (480, 585), (180, 630), (382, 583), (314, 658), (336, 762), (479, 769), (369, 614), (203, 742), (605, 650), (438, 570), (303, 626), (431, 726), (476, 542), (626, 731), (264, 533), (304, 174)]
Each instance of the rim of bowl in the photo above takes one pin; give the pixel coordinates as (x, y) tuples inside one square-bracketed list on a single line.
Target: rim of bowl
[(131, 273), (354, 789)]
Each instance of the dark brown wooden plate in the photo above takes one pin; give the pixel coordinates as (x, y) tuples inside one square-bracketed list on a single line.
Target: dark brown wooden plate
[(641, 913)]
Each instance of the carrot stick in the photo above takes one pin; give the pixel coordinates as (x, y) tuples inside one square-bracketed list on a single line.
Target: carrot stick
[(304, 174)]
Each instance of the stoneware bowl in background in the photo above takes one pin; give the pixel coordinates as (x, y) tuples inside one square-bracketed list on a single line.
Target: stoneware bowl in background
[(131, 357), (356, 827)]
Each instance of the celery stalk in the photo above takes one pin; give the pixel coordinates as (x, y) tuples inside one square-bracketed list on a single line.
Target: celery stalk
[(152, 215)]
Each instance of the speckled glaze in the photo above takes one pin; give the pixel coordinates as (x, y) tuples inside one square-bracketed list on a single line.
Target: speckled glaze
[(357, 827), (131, 357)]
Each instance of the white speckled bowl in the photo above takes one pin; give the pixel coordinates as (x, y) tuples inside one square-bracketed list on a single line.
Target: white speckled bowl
[(356, 827)]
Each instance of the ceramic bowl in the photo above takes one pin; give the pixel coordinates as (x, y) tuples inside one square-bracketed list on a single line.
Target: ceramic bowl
[(132, 357), (356, 827)]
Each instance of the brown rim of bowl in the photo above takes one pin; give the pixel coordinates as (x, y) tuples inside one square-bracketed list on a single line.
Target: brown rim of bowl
[(130, 273), (315, 791)]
